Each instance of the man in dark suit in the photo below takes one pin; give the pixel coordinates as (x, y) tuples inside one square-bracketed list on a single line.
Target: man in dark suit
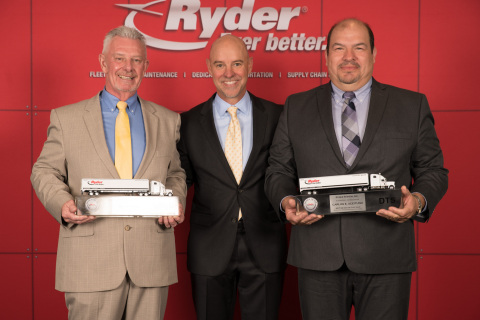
[(365, 260), (236, 240)]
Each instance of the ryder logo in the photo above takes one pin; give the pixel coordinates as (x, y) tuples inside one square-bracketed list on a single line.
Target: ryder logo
[(189, 15), (93, 182)]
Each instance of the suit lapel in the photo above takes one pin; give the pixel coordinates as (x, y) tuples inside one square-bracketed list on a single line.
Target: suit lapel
[(152, 125), (324, 105), (211, 136), (378, 103), (260, 119), (94, 123)]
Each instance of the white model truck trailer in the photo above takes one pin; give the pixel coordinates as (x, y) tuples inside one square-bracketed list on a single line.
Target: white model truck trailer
[(142, 187), (358, 182)]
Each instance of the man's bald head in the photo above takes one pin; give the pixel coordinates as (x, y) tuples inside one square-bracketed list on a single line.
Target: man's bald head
[(229, 66)]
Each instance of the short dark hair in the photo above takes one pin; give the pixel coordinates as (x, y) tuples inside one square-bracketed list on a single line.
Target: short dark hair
[(370, 32)]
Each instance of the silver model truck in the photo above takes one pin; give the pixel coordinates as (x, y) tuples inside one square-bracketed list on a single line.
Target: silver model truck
[(358, 182), (126, 198), (142, 187)]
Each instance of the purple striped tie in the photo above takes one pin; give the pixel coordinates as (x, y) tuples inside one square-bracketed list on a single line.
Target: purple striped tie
[(350, 138)]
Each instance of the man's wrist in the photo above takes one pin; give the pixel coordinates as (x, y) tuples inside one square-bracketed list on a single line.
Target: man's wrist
[(419, 204)]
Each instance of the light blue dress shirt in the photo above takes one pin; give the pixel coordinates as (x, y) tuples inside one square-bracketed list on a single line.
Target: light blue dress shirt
[(108, 103), (222, 119)]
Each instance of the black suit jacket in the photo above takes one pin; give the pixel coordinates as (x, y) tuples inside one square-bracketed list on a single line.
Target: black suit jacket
[(399, 142), (218, 197)]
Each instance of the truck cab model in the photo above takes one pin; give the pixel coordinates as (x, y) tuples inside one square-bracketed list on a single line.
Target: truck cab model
[(354, 182), (158, 189)]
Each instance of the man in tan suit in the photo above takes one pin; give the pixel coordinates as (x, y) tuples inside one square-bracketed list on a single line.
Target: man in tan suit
[(111, 268)]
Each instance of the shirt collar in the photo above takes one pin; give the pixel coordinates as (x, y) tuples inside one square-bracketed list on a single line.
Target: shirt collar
[(360, 94), (109, 102), (221, 106)]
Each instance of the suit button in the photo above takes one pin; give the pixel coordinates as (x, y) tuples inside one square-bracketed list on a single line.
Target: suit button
[(127, 228), (240, 190), (234, 220)]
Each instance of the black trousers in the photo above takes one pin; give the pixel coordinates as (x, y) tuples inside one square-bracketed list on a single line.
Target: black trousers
[(259, 292), (331, 294)]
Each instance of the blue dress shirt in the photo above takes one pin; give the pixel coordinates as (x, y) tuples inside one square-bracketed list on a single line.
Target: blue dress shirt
[(222, 119), (108, 103)]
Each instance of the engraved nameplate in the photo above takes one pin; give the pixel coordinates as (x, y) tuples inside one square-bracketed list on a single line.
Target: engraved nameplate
[(349, 202)]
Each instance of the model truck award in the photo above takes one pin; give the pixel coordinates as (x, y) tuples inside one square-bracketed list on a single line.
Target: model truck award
[(125, 198), (351, 193)]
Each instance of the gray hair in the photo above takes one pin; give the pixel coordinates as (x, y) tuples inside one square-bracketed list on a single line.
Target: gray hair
[(123, 32)]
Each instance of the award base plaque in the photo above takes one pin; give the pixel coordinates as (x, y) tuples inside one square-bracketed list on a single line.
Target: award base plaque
[(127, 206), (328, 203), (103, 197)]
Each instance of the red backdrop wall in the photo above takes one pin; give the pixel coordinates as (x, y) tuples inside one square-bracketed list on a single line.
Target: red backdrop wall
[(49, 59)]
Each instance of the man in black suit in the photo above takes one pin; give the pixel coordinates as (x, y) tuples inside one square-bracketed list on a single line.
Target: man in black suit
[(365, 260), (236, 240)]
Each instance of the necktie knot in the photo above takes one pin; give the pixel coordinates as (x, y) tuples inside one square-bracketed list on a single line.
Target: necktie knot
[(348, 96), (122, 105), (232, 111)]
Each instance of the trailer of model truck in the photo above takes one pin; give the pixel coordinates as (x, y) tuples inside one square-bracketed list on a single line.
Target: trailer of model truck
[(142, 187), (358, 181)]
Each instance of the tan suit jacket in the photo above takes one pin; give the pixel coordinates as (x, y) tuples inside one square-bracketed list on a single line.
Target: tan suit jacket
[(96, 256)]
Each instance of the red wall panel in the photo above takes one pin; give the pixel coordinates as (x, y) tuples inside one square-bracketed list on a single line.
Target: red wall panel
[(49, 304), (15, 188), (15, 78), (16, 293), (448, 287), (454, 226), (447, 69)]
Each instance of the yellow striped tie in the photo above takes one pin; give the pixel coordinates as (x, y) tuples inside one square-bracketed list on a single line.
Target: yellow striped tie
[(123, 143), (233, 147)]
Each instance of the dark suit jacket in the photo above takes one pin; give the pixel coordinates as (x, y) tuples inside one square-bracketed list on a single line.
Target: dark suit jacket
[(218, 197), (399, 142)]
